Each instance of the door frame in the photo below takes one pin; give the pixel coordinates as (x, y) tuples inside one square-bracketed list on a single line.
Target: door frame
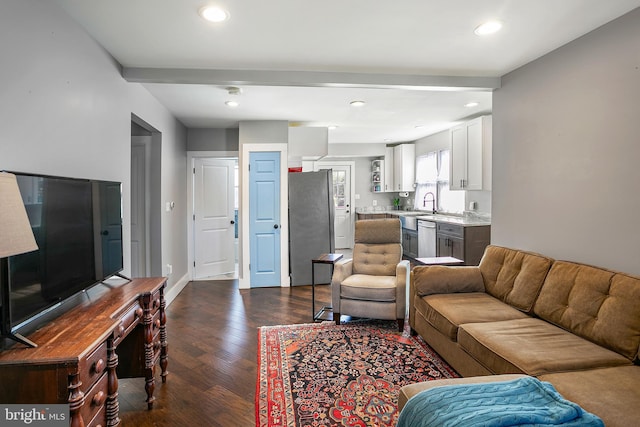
[(191, 156), (244, 279), (352, 193)]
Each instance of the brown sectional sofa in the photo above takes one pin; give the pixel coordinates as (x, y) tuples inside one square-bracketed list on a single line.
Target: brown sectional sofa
[(573, 325)]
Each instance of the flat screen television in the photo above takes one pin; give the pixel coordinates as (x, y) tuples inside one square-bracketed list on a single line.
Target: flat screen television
[(77, 224)]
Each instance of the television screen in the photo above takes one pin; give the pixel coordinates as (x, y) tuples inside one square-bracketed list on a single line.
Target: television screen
[(77, 225)]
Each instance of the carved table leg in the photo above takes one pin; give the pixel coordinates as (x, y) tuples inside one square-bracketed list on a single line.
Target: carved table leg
[(113, 407), (149, 366), (76, 400), (163, 338)]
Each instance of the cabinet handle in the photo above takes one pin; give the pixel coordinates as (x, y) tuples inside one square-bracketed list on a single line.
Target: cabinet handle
[(98, 399), (139, 312), (98, 366)]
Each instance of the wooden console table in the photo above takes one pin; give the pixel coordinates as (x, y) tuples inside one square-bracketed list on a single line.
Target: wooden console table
[(81, 354)]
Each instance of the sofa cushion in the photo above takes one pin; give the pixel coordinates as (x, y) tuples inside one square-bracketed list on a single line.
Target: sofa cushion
[(610, 393), (532, 346), (599, 305), (369, 288), (440, 279), (446, 312), (514, 276)]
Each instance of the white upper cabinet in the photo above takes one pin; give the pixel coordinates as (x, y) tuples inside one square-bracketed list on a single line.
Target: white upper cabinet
[(404, 167), (377, 175), (382, 173), (388, 170), (470, 167)]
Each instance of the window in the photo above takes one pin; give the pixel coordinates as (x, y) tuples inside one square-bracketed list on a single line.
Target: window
[(448, 201), (426, 179), (432, 176)]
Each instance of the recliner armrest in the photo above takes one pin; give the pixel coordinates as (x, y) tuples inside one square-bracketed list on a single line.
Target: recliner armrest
[(403, 273), (341, 270), (438, 279)]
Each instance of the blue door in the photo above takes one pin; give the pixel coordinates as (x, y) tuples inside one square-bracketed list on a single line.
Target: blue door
[(264, 218)]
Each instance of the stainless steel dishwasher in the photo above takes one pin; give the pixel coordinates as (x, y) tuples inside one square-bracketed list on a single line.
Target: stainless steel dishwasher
[(426, 239)]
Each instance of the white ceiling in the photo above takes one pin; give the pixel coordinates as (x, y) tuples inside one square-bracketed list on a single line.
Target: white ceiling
[(414, 62)]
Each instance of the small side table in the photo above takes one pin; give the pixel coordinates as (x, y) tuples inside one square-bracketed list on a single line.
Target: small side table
[(439, 260), (322, 259)]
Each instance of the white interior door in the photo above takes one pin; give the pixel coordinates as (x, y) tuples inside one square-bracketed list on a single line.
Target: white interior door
[(214, 217), (343, 217)]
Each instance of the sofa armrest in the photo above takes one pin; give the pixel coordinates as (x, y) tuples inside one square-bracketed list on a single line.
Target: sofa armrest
[(341, 270), (403, 270), (439, 279)]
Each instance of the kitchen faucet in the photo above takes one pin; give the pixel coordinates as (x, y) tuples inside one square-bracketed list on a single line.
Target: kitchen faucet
[(433, 201)]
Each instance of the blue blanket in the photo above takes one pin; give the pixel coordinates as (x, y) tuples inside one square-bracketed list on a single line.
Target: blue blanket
[(522, 402)]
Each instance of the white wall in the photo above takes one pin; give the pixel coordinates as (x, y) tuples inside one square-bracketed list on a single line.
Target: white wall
[(566, 151), (65, 110)]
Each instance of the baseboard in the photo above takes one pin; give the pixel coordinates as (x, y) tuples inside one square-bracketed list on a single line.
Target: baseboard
[(177, 287)]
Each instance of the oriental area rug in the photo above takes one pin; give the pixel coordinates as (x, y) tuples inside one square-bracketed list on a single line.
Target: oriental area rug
[(324, 375)]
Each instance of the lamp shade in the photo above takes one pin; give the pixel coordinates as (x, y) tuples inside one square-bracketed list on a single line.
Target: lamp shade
[(16, 236)]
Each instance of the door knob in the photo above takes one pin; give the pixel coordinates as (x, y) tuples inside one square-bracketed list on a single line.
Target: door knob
[(233, 222), (275, 226)]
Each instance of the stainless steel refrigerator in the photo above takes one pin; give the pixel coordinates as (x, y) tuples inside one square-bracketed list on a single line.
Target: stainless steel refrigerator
[(311, 216)]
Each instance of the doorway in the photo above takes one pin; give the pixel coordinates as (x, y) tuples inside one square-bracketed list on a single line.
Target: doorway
[(146, 231), (343, 189), (215, 218)]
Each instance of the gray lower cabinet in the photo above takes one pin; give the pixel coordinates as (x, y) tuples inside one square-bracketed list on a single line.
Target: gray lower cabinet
[(465, 243), (410, 243)]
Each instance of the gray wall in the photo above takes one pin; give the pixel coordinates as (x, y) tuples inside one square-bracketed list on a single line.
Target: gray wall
[(364, 186), (213, 139), (66, 111), (566, 151)]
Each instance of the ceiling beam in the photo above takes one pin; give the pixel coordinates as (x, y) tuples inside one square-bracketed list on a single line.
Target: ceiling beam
[(309, 79)]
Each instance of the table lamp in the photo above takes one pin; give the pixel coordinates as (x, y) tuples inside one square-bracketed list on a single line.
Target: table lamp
[(16, 237)]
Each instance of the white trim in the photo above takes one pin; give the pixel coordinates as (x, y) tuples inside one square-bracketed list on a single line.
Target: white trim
[(177, 287), (244, 279), (191, 157)]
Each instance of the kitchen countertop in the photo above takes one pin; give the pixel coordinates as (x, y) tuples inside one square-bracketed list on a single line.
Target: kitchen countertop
[(465, 221)]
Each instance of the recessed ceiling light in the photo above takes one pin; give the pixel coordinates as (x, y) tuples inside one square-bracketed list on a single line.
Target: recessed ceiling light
[(333, 127), (488, 28), (357, 103), (214, 13), (471, 104), (232, 104)]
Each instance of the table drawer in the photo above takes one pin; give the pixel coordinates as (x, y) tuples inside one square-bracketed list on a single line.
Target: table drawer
[(133, 315), (94, 365), (94, 402)]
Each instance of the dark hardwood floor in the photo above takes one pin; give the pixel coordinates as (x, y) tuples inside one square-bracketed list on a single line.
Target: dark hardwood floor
[(213, 337)]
